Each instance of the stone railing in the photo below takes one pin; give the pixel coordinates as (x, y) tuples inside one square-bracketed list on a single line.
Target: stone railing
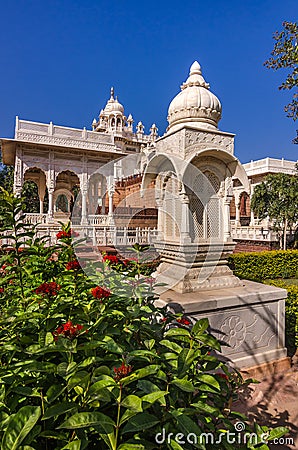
[(35, 218), (103, 219), (269, 165), (255, 233), (104, 236), (118, 236), (63, 136)]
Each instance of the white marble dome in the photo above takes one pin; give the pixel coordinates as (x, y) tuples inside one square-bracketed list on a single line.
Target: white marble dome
[(113, 106), (195, 105)]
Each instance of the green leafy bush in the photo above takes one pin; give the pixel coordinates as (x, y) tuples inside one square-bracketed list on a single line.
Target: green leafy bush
[(92, 363), (260, 266), (291, 313)]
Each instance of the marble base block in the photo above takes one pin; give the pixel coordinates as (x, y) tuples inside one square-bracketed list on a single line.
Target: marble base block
[(249, 320)]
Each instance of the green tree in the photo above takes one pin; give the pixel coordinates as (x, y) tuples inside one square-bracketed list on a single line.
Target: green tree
[(6, 176), (31, 198), (29, 191), (277, 198), (285, 56)]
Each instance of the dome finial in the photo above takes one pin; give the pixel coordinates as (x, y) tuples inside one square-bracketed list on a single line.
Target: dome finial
[(195, 69), (195, 106), (112, 93)]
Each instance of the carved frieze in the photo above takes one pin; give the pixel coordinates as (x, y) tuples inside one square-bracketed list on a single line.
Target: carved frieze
[(173, 144), (66, 142), (204, 139)]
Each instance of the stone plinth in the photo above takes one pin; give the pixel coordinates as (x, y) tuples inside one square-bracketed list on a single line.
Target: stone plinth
[(195, 266), (249, 320)]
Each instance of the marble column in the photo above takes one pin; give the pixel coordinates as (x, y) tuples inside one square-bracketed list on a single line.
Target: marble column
[(50, 210), (84, 206), (185, 225), (226, 217), (18, 174), (111, 194)]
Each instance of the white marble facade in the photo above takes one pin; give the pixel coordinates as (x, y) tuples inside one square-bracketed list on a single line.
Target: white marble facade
[(62, 159)]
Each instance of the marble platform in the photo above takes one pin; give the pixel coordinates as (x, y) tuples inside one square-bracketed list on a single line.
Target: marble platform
[(249, 320)]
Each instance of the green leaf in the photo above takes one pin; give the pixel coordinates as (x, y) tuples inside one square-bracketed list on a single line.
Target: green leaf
[(277, 433), (58, 409), (88, 361), (186, 425), (209, 340), (140, 422), (100, 391), (132, 402), (101, 384), (45, 338), (171, 345), (64, 369), (110, 345), (19, 427), (140, 373), (200, 326), (147, 386), (149, 343), (54, 391), (209, 379), (154, 396), (127, 415), (144, 353), (183, 384), (79, 379), (206, 408), (179, 331), (51, 434), (185, 359), (88, 419), (37, 366), (175, 446)]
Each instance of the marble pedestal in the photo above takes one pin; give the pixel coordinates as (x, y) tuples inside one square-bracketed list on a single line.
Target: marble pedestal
[(189, 267), (249, 319)]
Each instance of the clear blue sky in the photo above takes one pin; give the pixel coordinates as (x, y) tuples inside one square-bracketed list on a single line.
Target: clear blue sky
[(59, 59)]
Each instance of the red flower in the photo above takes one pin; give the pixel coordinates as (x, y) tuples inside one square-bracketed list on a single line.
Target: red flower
[(122, 371), (63, 234), (73, 265), (66, 234), (1, 290), (50, 288), (223, 375), (112, 259), (183, 321), (164, 319), (67, 330), (100, 292), (125, 261)]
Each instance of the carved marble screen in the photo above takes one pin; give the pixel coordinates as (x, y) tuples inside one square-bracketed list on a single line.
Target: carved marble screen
[(204, 205), (172, 208)]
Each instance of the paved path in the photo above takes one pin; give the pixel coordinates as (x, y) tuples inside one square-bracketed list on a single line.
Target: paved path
[(274, 401)]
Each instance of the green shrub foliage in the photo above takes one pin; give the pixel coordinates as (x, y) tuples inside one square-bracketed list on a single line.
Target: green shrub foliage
[(92, 363), (265, 265), (291, 313), (270, 267)]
